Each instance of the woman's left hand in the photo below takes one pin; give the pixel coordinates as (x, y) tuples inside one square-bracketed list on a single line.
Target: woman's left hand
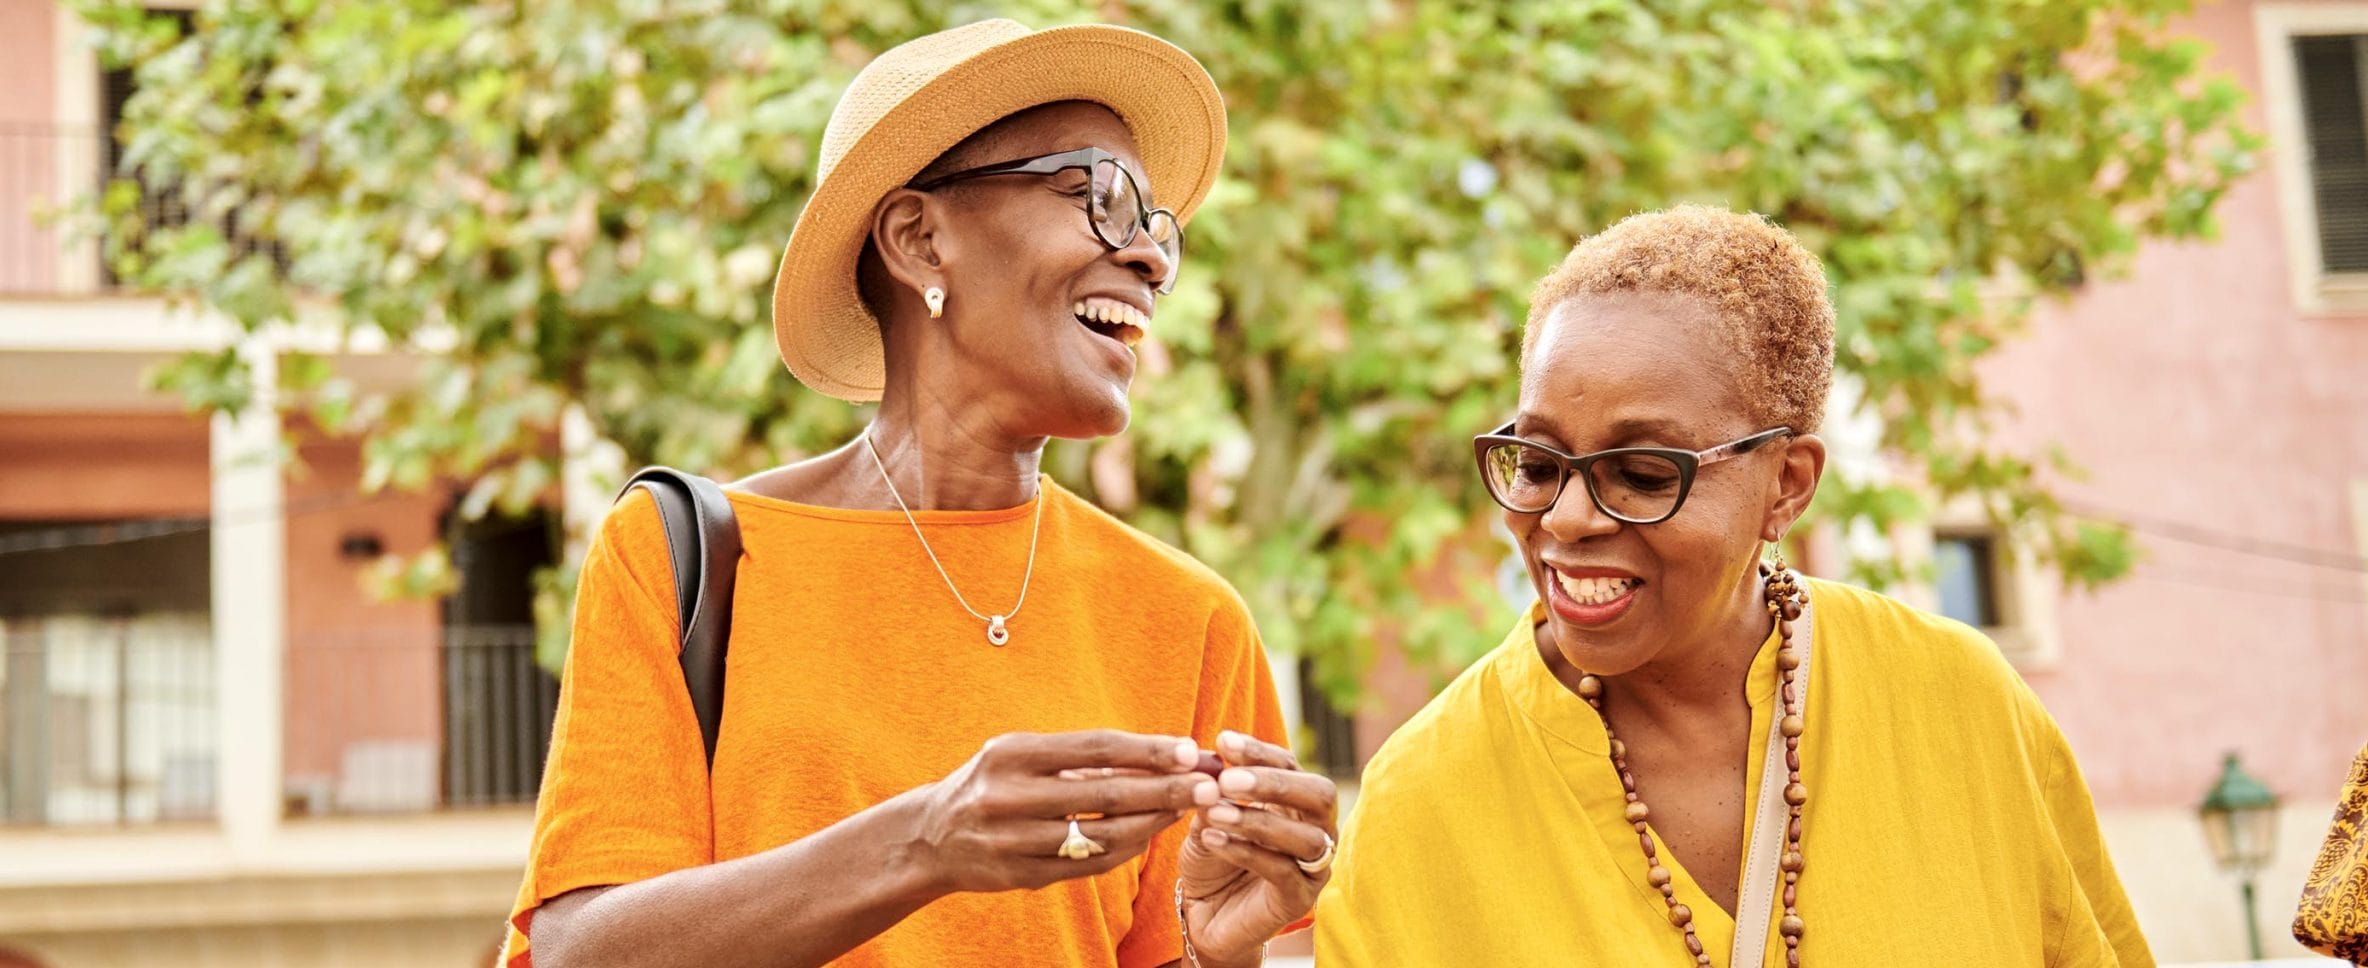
[(1240, 872)]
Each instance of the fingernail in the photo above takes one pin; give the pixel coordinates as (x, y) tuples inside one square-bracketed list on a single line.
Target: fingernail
[(1230, 740), (1204, 792), (1213, 837), (1225, 813), (1187, 753), (1237, 781)]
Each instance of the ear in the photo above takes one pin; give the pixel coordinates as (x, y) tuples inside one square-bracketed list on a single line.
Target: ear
[(1796, 483), (905, 234)]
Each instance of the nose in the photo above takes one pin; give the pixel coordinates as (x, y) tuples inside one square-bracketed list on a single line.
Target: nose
[(1574, 516), (1145, 258)]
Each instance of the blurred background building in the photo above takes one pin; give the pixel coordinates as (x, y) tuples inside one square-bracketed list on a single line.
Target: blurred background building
[(217, 749)]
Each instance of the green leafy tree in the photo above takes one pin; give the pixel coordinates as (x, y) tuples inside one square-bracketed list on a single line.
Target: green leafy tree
[(582, 203)]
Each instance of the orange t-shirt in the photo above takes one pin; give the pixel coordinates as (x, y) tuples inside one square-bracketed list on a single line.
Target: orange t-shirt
[(853, 676)]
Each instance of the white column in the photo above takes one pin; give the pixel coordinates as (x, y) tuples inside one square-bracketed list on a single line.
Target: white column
[(250, 591), (591, 468)]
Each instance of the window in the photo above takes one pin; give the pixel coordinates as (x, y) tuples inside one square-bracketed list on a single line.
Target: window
[(1331, 735), (2328, 69), (106, 679), (2314, 62), (1974, 573), (1965, 576), (162, 202)]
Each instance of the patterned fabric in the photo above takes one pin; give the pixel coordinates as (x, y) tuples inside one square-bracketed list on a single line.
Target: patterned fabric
[(2334, 915)]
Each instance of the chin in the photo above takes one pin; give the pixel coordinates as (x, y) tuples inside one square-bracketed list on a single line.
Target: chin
[(1095, 414), (1614, 650), (1597, 653)]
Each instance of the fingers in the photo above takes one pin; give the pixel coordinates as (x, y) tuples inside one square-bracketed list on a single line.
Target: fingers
[(1050, 753), (1112, 796), (1295, 839), (1267, 865), (1243, 749), (1121, 836), (1311, 795)]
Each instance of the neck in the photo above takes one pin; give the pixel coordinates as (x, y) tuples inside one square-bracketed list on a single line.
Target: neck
[(943, 456)]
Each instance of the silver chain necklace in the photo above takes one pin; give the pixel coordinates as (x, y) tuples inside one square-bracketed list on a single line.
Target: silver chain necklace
[(997, 634)]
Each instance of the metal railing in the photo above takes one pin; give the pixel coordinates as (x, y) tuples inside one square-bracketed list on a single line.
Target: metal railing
[(409, 720), (113, 721), (46, 170), (107, 721)]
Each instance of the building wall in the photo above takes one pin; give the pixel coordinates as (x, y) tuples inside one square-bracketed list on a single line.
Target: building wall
[(2197, 396), (2232, 429), (28, 75), (30, 149), (363, 675), (102, 466)]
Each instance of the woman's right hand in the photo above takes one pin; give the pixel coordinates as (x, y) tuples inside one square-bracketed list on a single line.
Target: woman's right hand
[(997, 823)]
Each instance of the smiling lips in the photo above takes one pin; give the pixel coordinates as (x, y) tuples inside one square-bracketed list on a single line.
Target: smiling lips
[(1593, 597), (1113, 319)]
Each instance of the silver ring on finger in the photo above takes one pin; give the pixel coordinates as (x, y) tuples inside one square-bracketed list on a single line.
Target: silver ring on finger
[(1078, 846), (1322, 861)]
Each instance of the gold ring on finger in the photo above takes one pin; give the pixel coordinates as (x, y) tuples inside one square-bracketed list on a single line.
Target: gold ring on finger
[(1078, 846)]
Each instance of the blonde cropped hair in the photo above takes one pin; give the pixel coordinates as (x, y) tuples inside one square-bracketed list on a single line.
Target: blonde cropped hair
[(1768, 292)]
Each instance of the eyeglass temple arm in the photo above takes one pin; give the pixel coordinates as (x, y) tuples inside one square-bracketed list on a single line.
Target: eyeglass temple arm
[(1744, 446), (1044, 165)]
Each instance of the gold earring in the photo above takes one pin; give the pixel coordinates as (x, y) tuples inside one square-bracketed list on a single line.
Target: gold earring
[(1776, 548), (936, 298)]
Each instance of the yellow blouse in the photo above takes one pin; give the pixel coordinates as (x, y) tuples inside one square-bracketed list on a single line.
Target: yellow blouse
[(1947, 823)]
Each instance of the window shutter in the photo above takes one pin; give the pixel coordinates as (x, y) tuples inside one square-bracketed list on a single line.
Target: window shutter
[(2338, 133)]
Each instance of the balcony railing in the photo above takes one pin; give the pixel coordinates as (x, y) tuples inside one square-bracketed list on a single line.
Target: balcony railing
[(400, 720), (48, 169), (113, 721)]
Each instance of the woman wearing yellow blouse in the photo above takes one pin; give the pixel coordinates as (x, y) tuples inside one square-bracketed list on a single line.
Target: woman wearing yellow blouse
[(1679, 739)]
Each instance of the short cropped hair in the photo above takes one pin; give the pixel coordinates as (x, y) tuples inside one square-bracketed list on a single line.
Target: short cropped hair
[(1768, 291)]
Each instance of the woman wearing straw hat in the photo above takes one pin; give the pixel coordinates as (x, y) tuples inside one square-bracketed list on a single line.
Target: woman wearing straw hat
[(965, 706)]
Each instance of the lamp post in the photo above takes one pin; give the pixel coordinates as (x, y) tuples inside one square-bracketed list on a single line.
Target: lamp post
[(2240, 818)]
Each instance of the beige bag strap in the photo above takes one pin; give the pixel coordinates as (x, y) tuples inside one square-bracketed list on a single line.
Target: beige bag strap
[(1756, 904)]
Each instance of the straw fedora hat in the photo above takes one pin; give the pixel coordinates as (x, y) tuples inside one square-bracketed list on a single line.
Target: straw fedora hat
[(924, 96)]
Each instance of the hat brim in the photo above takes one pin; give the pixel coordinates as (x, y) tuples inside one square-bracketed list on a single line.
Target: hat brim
[(826, 336)]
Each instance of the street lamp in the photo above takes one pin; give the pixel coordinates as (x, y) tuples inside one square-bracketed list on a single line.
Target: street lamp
[(2240, 818)]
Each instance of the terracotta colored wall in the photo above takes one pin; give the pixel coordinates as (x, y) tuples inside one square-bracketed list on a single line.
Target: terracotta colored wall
[(358, 670), (103, 466), (2196, 394)]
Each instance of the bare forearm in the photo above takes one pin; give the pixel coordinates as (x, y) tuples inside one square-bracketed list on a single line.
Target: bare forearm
[(800, 904)]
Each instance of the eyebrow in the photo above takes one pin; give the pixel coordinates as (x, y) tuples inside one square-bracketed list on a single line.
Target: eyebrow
[(1619, 432)]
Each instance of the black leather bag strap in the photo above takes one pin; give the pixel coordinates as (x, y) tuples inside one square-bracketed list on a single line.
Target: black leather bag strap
[(703, 542)]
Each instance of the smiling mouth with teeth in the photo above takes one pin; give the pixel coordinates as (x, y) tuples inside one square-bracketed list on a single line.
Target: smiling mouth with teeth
[(1116, 320), (1595, 591)]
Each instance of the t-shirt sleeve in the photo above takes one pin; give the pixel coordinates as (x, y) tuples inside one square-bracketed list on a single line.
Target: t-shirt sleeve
[(624, 792), (1237, 693), (2094, 922)]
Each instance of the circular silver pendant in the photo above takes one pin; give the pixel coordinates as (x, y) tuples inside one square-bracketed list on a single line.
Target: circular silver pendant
[(996, 633)]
